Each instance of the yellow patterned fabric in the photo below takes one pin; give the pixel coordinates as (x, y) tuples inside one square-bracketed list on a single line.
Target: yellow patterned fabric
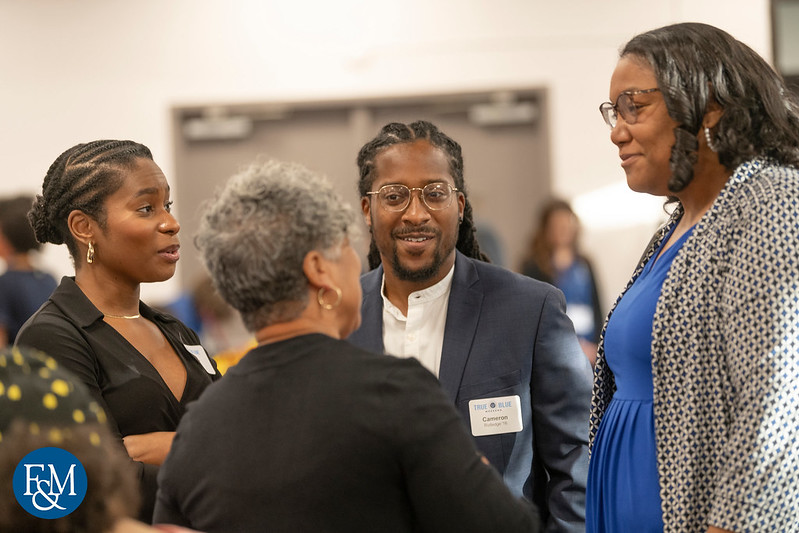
[(35, 389)]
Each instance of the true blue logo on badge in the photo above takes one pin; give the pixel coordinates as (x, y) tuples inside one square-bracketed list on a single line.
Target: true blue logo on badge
[(50, 483)]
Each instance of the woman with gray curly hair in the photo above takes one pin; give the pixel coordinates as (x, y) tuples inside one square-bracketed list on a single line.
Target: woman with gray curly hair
[(255, 238), (327, 437)]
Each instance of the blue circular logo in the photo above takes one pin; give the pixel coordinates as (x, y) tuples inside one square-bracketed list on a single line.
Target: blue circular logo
[(50, 483), (493, 405)]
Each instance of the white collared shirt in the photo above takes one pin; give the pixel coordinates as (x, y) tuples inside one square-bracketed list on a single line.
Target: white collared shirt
[(421, 333)]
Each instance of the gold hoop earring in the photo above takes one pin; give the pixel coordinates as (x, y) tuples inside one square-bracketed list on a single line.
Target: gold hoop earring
[(90, 253), (320, 297)]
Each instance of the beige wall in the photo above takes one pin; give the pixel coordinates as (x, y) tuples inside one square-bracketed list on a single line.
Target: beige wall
[(72, 71)]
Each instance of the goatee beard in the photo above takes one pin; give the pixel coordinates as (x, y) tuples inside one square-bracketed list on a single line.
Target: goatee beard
[(442, 250), (421, 274)]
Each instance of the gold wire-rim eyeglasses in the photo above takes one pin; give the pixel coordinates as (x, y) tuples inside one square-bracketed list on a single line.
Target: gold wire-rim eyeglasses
[(396, 197)]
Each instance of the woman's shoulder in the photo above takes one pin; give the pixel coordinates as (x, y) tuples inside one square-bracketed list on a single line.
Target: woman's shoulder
[(766, 191), (53, 332), (69, 301), (377, 365), (761, 177), (48, 318)]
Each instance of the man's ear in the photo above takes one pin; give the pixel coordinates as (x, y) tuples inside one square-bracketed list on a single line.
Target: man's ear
[(81, 226), (366, 208)]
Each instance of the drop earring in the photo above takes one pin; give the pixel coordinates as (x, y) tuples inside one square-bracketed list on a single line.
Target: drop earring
[(90, 253), (709, 140)]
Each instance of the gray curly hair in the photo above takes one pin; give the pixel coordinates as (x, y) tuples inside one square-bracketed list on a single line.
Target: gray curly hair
[(256, 232)]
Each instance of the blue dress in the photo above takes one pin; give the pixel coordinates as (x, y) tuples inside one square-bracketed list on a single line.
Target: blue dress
[(577, 283), (623, 483)]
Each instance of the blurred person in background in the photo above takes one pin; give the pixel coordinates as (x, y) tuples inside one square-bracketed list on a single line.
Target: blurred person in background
[(554, 256), (110, 204), (23, 287), (694, 417)]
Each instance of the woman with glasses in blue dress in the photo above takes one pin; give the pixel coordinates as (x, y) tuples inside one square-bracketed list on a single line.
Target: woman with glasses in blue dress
[(694, 413)]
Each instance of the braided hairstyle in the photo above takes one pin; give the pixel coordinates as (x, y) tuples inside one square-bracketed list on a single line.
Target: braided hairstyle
[(696, 64), (398, 133), (81, 178)]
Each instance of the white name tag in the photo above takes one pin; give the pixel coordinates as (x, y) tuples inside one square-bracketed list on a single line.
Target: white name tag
[(199, 353), (492, 416)]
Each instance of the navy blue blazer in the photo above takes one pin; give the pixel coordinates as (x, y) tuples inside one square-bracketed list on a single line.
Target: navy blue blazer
[(507, 334)]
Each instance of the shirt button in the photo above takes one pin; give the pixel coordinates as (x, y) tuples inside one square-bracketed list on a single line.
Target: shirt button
[(411, 338)]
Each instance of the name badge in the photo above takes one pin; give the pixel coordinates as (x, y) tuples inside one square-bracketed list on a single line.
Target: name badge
[(199, 353), (493, 416)]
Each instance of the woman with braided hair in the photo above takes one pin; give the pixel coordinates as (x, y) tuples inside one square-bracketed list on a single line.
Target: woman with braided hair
[(109, 203)]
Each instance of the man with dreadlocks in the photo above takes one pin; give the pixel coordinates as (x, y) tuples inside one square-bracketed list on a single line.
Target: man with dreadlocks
[(500, 343)]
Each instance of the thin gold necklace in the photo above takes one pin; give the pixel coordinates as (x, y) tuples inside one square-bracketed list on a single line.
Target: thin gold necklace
[(126, 317)]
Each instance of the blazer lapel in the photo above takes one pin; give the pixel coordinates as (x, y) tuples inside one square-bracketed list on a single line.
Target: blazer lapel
[(369, 335), (463, 312)]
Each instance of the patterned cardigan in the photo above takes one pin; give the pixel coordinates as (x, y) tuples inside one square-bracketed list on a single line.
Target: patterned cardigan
[(725, 360)]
